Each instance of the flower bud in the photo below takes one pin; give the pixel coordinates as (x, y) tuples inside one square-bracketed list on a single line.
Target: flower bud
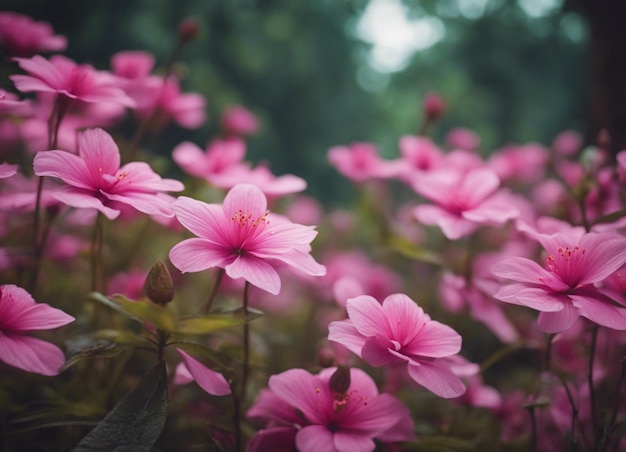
[(188, 29), (159, 286), (340, 380), (433, 107)]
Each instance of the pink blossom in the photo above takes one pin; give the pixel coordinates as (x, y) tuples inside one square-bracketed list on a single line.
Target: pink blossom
[(433, 106), (565, 288), (11, 105), (237, 120), (7, 170), (461, 138), (210, 381), (63, 76), (18, 194), (328, 419), (19, 314), (132, 65), (95, 179), (398, 331), (242, 237), (567, 143), (165, 100), (360, 162), (464, 201), (219, 157), (272, 186), (418, 154), (22, 36), (526, 163)]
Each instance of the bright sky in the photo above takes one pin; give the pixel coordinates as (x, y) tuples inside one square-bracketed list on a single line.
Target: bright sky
[(394, 36)]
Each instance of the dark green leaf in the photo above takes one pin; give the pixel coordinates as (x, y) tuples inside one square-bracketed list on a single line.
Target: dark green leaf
[(141, 310), (208, 323), (99, 349), (136, 422)]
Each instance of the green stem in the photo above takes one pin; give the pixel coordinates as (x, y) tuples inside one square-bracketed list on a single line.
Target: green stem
[(97, 280), (240, 398), (214, 289)]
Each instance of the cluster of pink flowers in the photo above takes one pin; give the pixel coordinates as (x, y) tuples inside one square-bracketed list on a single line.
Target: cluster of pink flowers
[(351, 361)]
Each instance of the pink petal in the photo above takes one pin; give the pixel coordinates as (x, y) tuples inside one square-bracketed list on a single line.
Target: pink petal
[(599, 311), (344, 333), (70, 168), (39, 316), (76, 197), (315, 438), (247, 198), (140, 177), (437, 378), (256, 271), (541, 299), (191, 159), (148, 203), (527, 271), (604, 256), (478, 184), (368, 316), (31, 354), (99, 151), (301, 261), (202, 219), (269, 407), (404, 315), (182, 376), (435, 340), (278, 439), (452, 225), (556, 322), (494, 210), (376, 416), (352, 441), (197, 254), (212, 382), (375, 353), (302, 390)]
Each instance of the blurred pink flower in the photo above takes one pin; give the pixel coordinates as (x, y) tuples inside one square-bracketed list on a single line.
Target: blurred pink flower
[(463, 139), (22, 36), (210, 381), (7, 170), (360, 162), (237, 120), (399, 331), (567, 143), (464, 201), (525, 163), (328, 419), (219, 157), (95, 179), (19, 314), (433, 106), (418, 154), (272, 186), (63, 76), (11, 105), (242, 237), (164, 100), (565, 290)]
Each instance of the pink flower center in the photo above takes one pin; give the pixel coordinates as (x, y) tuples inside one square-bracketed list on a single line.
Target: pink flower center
[(567, 263), (245, 219)]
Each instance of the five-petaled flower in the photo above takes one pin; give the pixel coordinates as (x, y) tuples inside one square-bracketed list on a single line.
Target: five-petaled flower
[(398, 331), (565, 289), (20, 314), (95, 179), (243, 238), (325, 419)]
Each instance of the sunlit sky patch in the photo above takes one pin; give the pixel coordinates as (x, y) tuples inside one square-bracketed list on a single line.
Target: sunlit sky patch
[(395, 37)]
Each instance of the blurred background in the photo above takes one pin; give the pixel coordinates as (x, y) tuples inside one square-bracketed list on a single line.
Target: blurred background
[(320, 73)]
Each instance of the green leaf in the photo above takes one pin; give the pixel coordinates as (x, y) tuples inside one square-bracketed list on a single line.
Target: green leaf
[(141, 310), (411, 251), (208, 323), (137, 421), (99, 349)]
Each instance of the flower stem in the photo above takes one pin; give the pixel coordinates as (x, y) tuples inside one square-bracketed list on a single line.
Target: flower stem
[(241, 396), (97, 281), (216, 286), (592, 393)]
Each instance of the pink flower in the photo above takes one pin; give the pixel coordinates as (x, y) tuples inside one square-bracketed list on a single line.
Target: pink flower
[(565, 290), (243, 238), (464, 201), (7, 170), (525, 163), (237, 120), (464, 139), (22, 36), (360, 162), (210, 381), (328, 418), (272, 186), (95, 179), (419, 154), (166, 100), (19, 314), (219, 157), (433, 106), (11, 105), (63, 76), (567, 143), (398, 331)]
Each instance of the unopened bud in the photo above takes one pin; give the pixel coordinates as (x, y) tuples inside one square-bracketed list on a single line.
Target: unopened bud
[(159, 286), (188, 29), (604, 139), (340, 380), (433, 107)]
